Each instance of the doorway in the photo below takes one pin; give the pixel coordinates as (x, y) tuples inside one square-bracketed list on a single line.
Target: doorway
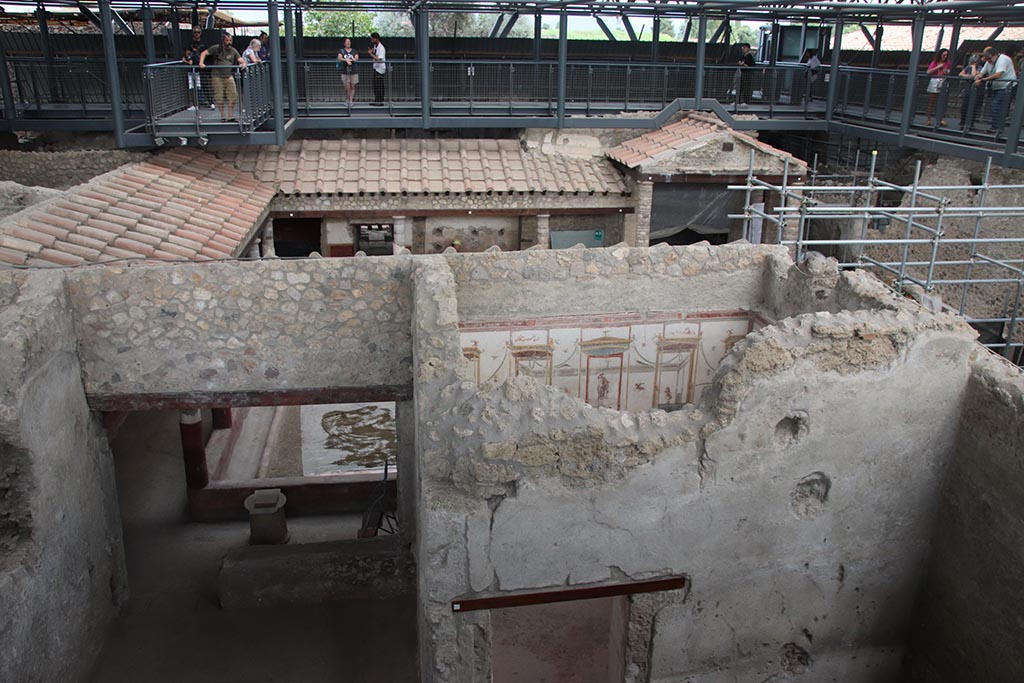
[(296, 237)]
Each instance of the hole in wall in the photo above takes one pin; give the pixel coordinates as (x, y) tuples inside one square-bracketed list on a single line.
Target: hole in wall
[(791, 429), (810, 495)]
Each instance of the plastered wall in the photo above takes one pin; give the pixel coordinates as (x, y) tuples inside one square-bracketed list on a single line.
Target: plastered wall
[(61, 560), (802, 526)]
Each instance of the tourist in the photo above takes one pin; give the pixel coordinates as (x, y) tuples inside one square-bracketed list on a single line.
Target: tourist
[(191, 57), (347, 58), (1000, 74), (224, 91), (252, 53), (813, 68), (974, 96), (379, 55), (264, 51), (745, 89), (938, 70)]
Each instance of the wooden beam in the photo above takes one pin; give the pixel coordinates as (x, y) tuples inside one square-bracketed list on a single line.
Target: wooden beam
[(470, 603), (417, 213), (261, 397)]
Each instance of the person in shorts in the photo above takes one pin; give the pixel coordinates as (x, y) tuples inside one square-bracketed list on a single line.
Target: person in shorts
[(197, 97), (347, 59), (224, 92)]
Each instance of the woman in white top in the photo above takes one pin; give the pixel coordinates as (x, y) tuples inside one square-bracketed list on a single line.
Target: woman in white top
[(252, 53)]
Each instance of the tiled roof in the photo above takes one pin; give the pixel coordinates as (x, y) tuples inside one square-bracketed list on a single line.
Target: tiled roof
[(689, 131), (423, 167), (181, 204), (898, 37)]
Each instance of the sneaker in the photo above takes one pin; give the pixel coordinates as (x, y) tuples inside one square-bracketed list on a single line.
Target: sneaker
[(191, 108), (213, 106)]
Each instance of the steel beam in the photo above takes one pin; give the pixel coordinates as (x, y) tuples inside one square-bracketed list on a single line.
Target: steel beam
[(877, 52), (5, 84), (176, 46), (1013, 132), (563, 57), (147, 32), (689, 27), (423, 54), (44, 31), (698, 79), (655, 37), (509, 25), (126, 28), (995, 34), (604, 27), (538, 32), (954, 39), (276, 75), (289, 39), (113, 75), (719, 31), (496, 28), (629, 29), (300, 52), (915, 62), (833, 78), (211, 18), (867, 34)]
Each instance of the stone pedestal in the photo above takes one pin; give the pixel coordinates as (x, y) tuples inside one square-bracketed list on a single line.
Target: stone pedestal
[(267, 522)]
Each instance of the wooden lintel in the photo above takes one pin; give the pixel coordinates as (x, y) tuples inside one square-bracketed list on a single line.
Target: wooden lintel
[(261, 397), (472, 603), (417, 213), (712, 179)]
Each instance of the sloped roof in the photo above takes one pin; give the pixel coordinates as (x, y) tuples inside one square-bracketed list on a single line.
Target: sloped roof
[(423, 167), (691, 131), (900, 37), (180, 204)]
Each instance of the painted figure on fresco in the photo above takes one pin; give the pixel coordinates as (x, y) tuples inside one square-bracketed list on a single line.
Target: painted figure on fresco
[(602, 387)]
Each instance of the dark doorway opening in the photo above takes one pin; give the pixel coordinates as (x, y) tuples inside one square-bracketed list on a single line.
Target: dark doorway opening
[(296, 237)]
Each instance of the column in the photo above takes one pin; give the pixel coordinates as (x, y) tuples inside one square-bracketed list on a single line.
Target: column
[(644, 193), (147, 33), (254, 248), (276, 77), (190, 423), (268, 239), (175, 35), (833, 79), (222, 418), (544, 230), (403, 231), (563, 52), (423, 55), (698, 79), (289, 39), (911, 91), (113, 76), (5, 86)]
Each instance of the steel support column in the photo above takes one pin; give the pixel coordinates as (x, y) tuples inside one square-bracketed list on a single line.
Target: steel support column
[(147, 33), (538, 32), (604, 27), (423, 54), (698, 78), (5, 84), (211, 17), (628, 25), (833, 77), (1013, 132), (954, 39), (509, 25), (915, 63), (113, 76), (563, 56), (877, 51), (176, 47), (496, 28), (276, 75), (300, 51), (773, 56), (289, 39), (655, 36), (44, 32)]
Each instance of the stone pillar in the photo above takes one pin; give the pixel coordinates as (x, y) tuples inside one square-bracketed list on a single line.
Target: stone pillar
[(254, 248), (644, 192), (544, 230), (190, 423), (222, 418), (403, 231), (268, 239)]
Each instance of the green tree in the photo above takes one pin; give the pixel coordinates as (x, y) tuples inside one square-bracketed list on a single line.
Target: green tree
[(741, 33), (332, 24)]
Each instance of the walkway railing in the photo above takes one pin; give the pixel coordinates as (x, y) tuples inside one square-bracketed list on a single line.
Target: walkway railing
[(71, 86), (187, 101)]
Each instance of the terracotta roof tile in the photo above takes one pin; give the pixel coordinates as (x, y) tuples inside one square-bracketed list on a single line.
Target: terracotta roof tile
[(173, 205), (422, 166), (692, 128)]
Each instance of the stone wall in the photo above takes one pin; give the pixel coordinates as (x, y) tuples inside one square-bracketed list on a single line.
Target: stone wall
[(474, 233), (802, 527), (243, 327), (15, 197), (61, 560), (968, 625), (61, 170), (402, 205)]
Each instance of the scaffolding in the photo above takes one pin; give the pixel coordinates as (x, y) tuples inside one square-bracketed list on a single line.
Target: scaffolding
[(966, 256)]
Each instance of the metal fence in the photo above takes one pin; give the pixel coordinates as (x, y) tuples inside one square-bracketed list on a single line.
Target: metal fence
[(72, 85), (972, 255), (186, 101)]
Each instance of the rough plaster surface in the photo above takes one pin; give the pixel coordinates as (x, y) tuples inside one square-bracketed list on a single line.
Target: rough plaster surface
[(266, 325), (61, 559), (15, 197), (767, 496), (969, 625), (616, 279), (61, 169)]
